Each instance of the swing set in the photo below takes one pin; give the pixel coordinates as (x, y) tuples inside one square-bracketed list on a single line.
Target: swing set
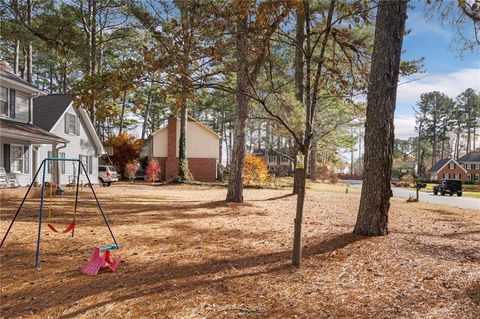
[(97, 260)]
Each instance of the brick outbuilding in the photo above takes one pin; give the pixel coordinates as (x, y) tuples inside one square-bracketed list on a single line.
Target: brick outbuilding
[(203, 146)]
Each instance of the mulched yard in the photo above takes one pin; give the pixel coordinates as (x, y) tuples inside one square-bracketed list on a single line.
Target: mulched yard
[(188, 254)]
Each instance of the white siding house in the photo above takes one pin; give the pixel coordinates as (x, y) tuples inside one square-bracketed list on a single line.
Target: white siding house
[(57, 114), (19, 138)]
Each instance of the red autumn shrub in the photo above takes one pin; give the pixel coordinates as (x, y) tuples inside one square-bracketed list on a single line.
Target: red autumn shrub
[(153, 170)]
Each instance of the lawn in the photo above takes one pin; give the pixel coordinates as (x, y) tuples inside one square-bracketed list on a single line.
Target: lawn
[(188, 254)]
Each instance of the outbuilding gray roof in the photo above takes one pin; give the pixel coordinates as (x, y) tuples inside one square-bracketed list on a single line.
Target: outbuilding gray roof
[(48, 109), (470, 157), (438, 165)]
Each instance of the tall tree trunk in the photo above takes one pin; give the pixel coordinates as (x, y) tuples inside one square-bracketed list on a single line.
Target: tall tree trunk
[(237, 160), (147, 114), (222, 138), (183, 171), (29, 43), (313, 161), (16, 58), (122, 115), (372, 216), (299, 78), (468, 137), (457, 143), (65, 76), (311, 95)]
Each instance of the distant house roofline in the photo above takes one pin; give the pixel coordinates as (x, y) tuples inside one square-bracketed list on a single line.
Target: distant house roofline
[(191, 119)]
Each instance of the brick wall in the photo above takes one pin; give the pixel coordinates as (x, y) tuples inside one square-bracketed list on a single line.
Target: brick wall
[(202, 169), (452, 172)]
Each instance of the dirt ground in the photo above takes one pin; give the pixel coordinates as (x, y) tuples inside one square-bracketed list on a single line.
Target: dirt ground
[(188, 254)]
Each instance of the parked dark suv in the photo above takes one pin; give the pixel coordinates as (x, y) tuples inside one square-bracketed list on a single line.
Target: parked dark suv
[(448, 186)]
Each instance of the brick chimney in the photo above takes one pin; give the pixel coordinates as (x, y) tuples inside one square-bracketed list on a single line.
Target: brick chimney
[(171, 165)]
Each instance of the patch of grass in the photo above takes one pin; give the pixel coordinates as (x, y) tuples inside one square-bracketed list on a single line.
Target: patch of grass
[(332, 188)]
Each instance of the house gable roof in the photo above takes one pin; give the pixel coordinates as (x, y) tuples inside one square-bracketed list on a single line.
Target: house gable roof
[(191, 119), (440, 164), (470, 157), (48, 109), (444, 162)]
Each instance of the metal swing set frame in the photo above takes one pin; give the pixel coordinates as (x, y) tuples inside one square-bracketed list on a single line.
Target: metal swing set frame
[(43, 166)]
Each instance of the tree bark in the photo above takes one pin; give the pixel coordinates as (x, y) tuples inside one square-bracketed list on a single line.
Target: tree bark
[(122, 115), (147, 114), (29, 44), (183, 171), (237, 160), (313, 161), (299, 78), (372, 216)]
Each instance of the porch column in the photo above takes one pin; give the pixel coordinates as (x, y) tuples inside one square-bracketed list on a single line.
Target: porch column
[(56, 171)]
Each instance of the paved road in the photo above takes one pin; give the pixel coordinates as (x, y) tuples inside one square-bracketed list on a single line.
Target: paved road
[(453, 201)]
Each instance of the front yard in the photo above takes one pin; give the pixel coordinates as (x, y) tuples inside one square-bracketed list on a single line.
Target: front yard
[(188, 254)]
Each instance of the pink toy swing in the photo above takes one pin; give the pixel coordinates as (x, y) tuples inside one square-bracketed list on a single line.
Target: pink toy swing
[(98, 261)]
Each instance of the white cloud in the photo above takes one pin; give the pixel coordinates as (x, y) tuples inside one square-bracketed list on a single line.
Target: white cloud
[(451, 84), (404, 127)]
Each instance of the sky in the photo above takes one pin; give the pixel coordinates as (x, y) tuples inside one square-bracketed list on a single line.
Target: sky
[(445, 70)]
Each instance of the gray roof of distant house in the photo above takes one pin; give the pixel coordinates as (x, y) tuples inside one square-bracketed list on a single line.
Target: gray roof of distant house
[(470, 157), (438, 165), (48, 109)]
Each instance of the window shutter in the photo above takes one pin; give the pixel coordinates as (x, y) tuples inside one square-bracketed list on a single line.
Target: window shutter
[(90, 162), (26, 156), (77, 126), (81, 167), (6, 157), (12, 103)]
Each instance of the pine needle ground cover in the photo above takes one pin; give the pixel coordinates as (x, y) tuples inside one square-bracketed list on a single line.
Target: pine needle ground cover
[(188, 254)]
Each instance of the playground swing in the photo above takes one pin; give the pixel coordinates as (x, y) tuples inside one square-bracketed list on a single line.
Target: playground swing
[(93, 265), (70, 228)]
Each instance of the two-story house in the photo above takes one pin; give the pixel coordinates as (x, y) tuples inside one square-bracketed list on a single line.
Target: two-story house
[(277, 164), (466, 168), (19, 137), (471, 163), (56, 114)]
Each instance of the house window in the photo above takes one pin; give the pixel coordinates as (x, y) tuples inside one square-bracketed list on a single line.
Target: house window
[(452, 165), (469, 177), (12, 103), (477, 177), (72, 125), (446, 176), (272, 159), (62, 163), (87, 163), (26, 153), (457, 176), (4, 101), (16, 158)]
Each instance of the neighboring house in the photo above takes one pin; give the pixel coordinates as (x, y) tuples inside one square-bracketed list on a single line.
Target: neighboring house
[(277, 164), (448, 168), (56, 114), (202, 150), (405, 167), (19, 137), (471, 163)]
